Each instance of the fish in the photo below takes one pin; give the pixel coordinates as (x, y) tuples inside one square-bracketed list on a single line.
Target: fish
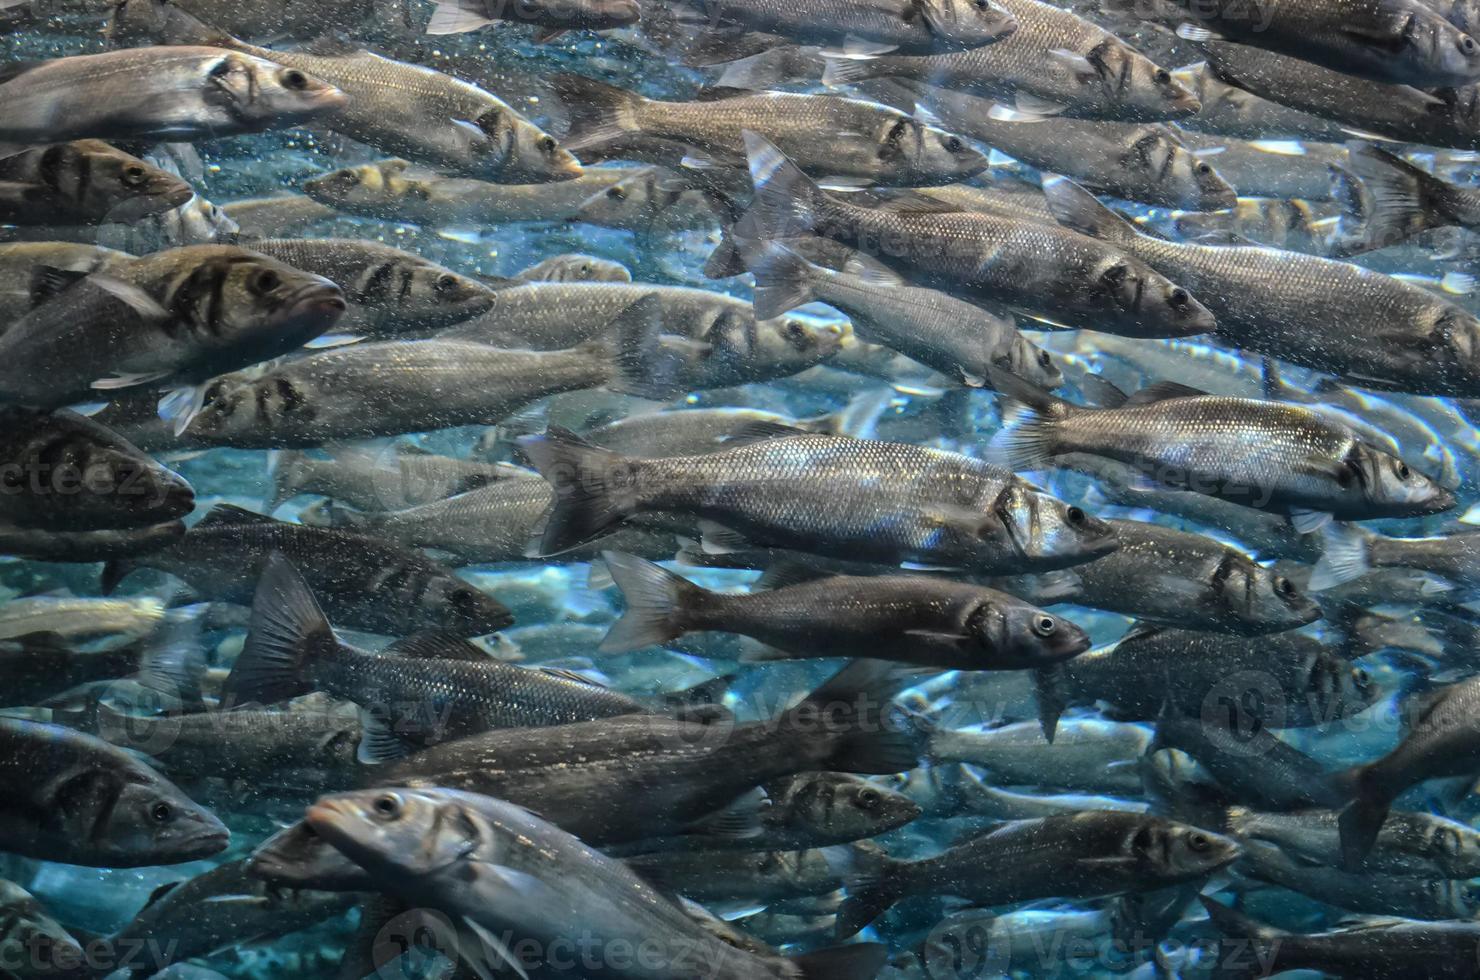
[(653, 200), (69, 618), (489, 525), (393, 190), (380, 478), (1397, 41), (989, 520), (890, 147), (84, 547), (935, 623), (1406, 200), (1088, 755), (1421, 343), (1387, 948), (1349, 552), (172, 319), (551, 19), (1280, 168), (918, 28), (953, 336), (276, 216), (1173, 578), (157, 93), (390, 291), (292, 650), (62, 472), (1083, 855), (576, 267), (79, 800), (1228, 110), (402, 109), (762, 877), (1269, 456), (1052, 273), (1440, 741), (476, 844), (1369, 893), (1288, 680), (297, 857), (1055, 63), (394, 387), (365, 583), (687, 768), (31, 934), (1418, 845), (84, 182), (21, 261)]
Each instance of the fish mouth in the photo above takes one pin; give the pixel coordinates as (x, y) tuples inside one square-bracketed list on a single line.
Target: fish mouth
[(1186, 104), (204, 843), (618, 13), (316, 300)]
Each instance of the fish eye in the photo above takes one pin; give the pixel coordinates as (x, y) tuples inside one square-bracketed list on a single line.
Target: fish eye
[(1045, 359), (295, 80), (1163, 77), (446, 283), (265, 282), (868, 799), (547, 143), (1116, 274), (1199, 842), (616, 194), (1075, 517), (1045, 626), (1402, 470), (1361, 678), (1467, 44), (134, 175), (387, 805), (1204, 169), (1284, 586), (1178, 297), (953, 145), (982, 4), (161, 812)]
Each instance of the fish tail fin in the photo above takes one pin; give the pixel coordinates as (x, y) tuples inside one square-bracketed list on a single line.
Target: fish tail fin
[(286, 633), (1052, 699), (599, 113), (1403, 199), (870, 895), (786, 201), (656, 600), (783, 280), (457, 17), (840, 70), (1345, 556), (594, 488), (114, 572), (285, 470), (175, 665), (851, 724), (634, 347), (1030, 417), (163, 22), (842, 962), (1362, 819)]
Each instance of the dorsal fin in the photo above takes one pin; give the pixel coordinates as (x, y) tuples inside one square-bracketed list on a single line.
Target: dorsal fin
[(437, 645), (223, 515), (761, 430), (1163, 391), (571, 675)]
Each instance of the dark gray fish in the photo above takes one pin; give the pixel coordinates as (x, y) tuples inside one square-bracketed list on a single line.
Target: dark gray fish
[(85, 182), (20, 263), (1393, 949), (830, 495), (1367, 893), (1228, 110), (1414, 845), (1403, 201), (78, 800), (424, 690), (365, 583), (657, 775), (1281, 168), (29, 934), (297, 857), (930, 622), (1061, 276), (86, 547), (1082, 855), (61, 472)]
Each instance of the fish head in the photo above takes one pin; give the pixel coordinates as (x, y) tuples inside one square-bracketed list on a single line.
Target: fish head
[(1333, 688), (1030, 362), (846, 807), (958, 25), (792, 344), (151, 820), (908, 151), (1392, 486), (235, 406), (126, 189), (1262, 600), (1455, 846), (452, 604), (1146, 301), (1048, 533), (374, 185), (297, 857), (438, 297), (248, 305), (398, 831), (1140, 87), (196, 222), (1437, 49), (516, 151), (1033, 637), (632, 203), (1183, 179), (1177, 851), (260, 94)]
